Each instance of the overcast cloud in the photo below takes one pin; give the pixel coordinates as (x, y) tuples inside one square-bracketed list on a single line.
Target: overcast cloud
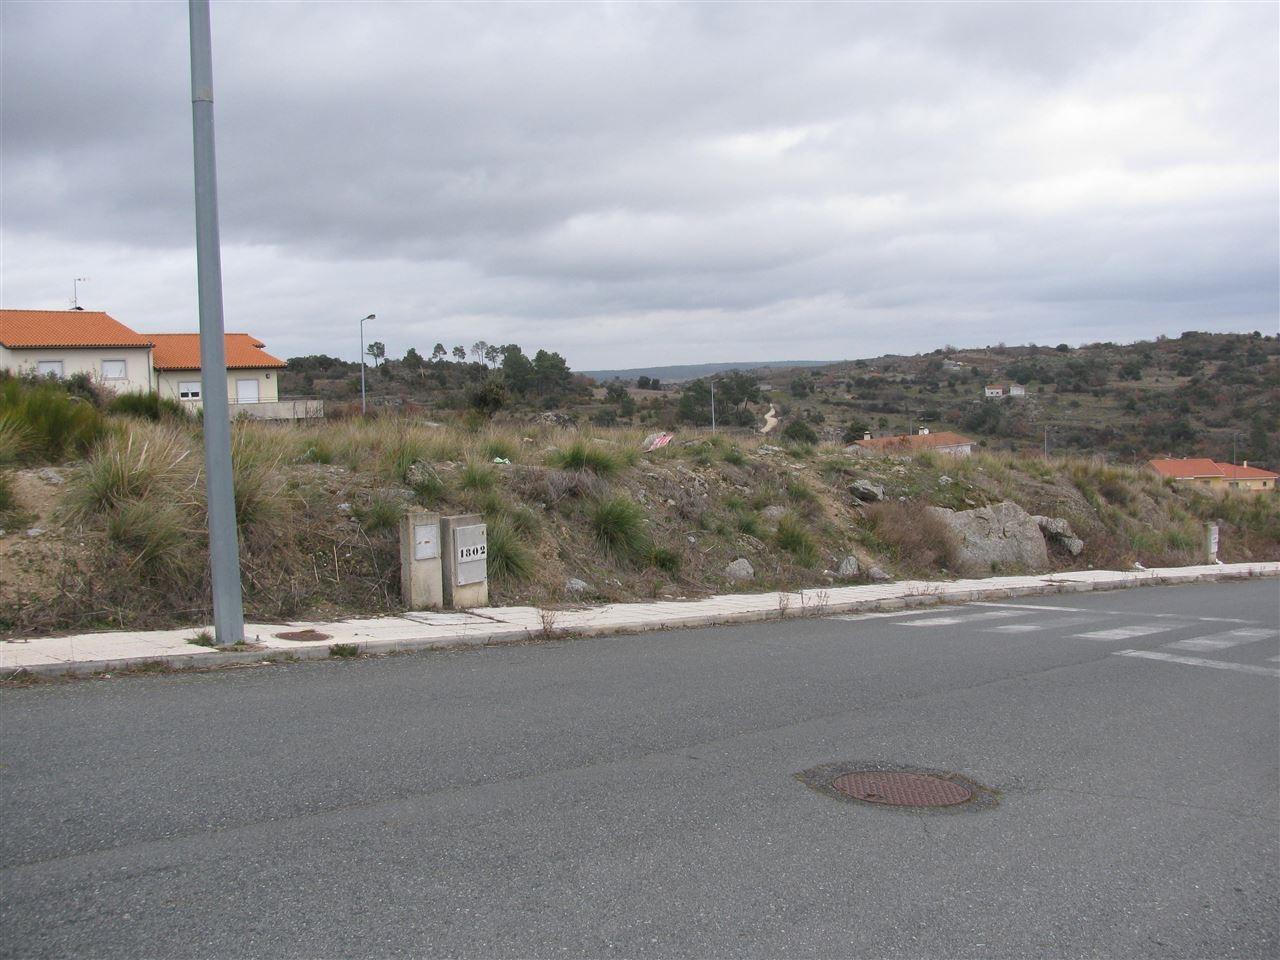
[(654, 183)]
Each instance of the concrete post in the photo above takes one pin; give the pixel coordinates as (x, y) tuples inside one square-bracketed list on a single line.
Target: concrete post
[(465, 547), (1211, 541), (421, 586)]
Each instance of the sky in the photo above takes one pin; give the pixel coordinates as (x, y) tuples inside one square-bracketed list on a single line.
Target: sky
[(634, 184)]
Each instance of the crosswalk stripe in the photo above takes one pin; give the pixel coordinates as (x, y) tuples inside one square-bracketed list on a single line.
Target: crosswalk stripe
[(1016, 628), (1220, 641), (959, 618), (1110, 613), (1125, 633), (1199, 662)]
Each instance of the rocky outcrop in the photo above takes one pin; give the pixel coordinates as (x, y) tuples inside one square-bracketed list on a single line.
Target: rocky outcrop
[(740, 570), (848, 568), (1000, 538), (1059, 532)]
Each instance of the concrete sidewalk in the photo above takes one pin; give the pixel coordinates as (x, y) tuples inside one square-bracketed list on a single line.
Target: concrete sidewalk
[(118, 650)]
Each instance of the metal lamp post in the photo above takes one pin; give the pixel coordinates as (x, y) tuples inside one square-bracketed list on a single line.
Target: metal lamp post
[(224, 550), (363, 408)]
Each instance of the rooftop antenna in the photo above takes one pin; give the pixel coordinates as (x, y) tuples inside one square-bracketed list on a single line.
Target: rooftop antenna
[(75, 292)]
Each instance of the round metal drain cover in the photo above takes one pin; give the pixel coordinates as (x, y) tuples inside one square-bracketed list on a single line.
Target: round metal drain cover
[(901, 789)]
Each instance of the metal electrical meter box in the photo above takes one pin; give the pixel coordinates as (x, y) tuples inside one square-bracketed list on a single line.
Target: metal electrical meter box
[(472, 554), (426, 540)]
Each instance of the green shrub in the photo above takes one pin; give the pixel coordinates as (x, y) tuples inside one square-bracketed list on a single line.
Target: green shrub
[(583, 455), (799, 432), (163, 540), (148, 406), (132, 465), (51, 423), (476, 477), (749, 524), (734, 456), (509, 559), (379, 514), (665, 559), (318, 452), (618, 524), (262, 505), (500, 447), (344, 651), (792, 537), (429, 488)]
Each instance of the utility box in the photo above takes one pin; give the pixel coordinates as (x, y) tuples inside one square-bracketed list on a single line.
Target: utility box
[(421, 561), (465, 544), (1211, 542)]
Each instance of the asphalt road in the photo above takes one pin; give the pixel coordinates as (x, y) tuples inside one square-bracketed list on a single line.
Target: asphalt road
[(636, 796)]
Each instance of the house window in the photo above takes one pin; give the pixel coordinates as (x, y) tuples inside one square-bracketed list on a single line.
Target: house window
[(114, 370), (189, 390), (49, 368)]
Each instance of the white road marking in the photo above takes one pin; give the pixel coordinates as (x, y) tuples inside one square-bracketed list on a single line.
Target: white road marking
[(1027, 606), (1125, 633), (959, 618), (1199, 662), (1220, 641), (1015, 628), (873, 616), (1112, 613)]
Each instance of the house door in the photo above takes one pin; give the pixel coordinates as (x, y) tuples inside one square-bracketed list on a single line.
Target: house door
[(246, 391)]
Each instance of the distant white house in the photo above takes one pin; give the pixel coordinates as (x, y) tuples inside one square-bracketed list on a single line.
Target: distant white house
[(994, 390), (61, 343), (1017, 390)]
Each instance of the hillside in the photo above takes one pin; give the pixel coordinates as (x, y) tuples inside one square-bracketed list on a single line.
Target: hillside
[(105, 522), (684, 372)]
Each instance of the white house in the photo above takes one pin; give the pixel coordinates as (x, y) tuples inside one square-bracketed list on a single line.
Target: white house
[(994, 390), (66, 342), (253, 375), (1017, 390)]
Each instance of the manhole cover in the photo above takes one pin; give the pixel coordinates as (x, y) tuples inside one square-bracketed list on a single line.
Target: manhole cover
[(893, 786), (901, 789), (302, 635)]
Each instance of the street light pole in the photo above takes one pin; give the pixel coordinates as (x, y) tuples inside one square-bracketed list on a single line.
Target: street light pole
[(713, 404), (363, 408), (224, 550)]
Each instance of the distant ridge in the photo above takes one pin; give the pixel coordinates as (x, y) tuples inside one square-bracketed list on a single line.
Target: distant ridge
[(678, 373)]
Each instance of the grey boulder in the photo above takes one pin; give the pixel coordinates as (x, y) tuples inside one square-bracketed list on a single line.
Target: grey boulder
[(848, 568), (740, 569), (1001, 536)]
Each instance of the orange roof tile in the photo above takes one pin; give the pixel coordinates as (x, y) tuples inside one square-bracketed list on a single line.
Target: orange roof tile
[(1195, 467), (181, 351), (915, 441), (1232, 472), (28, 329)]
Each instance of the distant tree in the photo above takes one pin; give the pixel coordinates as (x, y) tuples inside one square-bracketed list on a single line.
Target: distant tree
[(550, 373), (460, 353), (517, 369), (438, 353), (1063, 348), (488, 397), (492, 354), (617, 393), (736, 388), (377, 350), (478, 350), (855, 430), (412, 359), (797, 431), (643, 383), (695, 403)]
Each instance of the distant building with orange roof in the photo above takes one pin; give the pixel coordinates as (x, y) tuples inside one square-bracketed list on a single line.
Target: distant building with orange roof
[(252, 373), (1201, 472), (61, 343), (908, 444)]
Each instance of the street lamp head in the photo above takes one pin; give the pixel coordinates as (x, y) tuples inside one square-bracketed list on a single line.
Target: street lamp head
[(372, 316)]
